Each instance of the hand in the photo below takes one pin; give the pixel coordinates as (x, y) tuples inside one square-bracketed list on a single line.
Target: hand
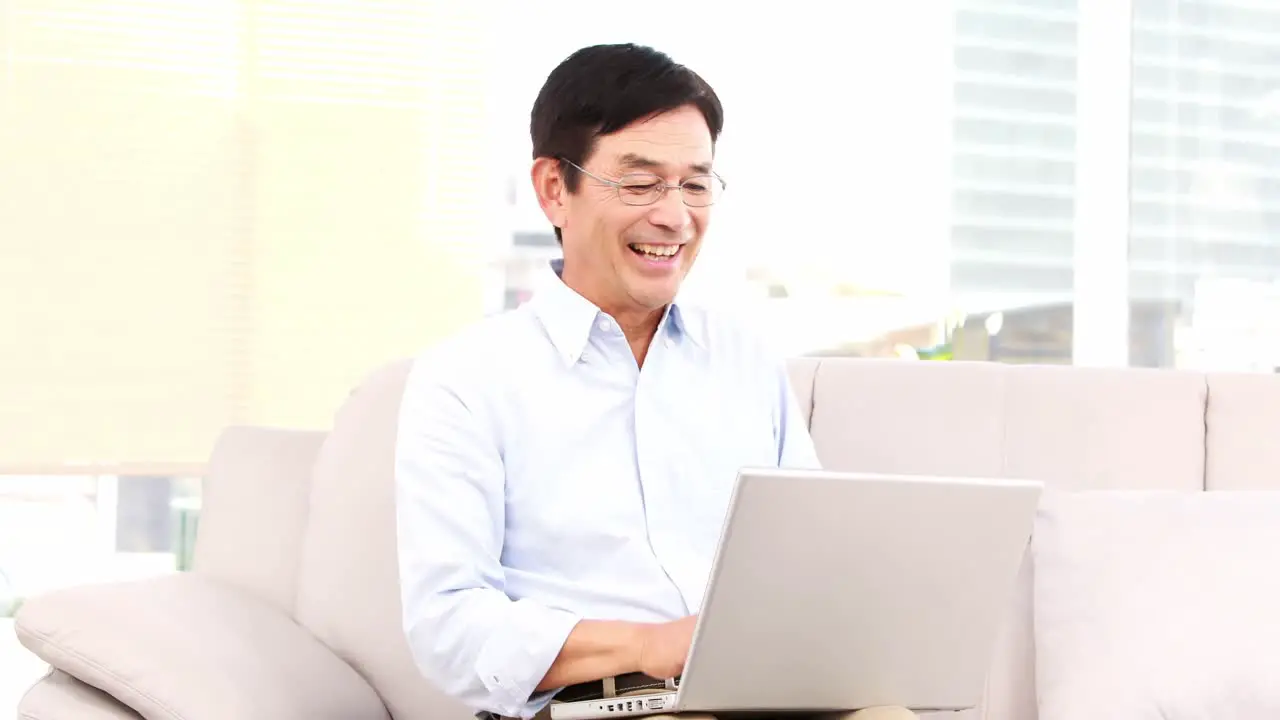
[(664, 647)]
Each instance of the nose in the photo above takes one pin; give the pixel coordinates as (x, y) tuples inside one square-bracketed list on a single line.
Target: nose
[(670, 212)]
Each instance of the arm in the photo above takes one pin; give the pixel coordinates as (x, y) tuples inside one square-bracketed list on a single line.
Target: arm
[(791, 429), (600, 649), (595, 649), (465, 634)]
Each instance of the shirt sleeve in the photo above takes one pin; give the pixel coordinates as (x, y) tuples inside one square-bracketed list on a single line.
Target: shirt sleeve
[(465, 634), (795, 444)]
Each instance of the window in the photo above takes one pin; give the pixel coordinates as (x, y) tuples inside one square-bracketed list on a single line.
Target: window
[(216, 212), (1204, 241)]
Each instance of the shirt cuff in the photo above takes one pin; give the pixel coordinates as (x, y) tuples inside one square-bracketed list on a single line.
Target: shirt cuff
[(518, 655)]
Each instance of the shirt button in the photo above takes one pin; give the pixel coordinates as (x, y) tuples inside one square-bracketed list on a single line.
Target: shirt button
[(605, 325), (669, 342)]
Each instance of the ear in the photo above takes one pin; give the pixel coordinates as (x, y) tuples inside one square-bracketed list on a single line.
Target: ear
[(553, 196)]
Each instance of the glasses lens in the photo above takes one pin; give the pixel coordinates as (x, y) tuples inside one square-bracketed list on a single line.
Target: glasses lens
[(702, 190), (640, 188), (646, 189)]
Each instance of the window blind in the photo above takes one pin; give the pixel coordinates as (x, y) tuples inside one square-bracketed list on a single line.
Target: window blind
[(226, 212)]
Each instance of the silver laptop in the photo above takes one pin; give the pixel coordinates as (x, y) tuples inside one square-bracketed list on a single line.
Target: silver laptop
[(841, 591)]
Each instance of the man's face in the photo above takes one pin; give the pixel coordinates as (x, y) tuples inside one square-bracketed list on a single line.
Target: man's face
[(633, 257)]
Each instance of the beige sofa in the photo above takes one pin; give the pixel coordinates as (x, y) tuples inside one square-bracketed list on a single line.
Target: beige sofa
[(292, 609)]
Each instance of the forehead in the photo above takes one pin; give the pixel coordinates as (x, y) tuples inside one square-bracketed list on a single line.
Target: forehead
[(673, 142)]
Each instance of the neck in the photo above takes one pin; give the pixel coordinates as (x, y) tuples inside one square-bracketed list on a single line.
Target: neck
[(639, 327), (637, 324)]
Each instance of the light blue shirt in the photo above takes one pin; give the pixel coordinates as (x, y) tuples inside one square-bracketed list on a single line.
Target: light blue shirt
[(542, 477)]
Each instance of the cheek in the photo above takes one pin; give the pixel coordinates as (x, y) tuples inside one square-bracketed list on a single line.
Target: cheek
[(600, 216), (626, 223)]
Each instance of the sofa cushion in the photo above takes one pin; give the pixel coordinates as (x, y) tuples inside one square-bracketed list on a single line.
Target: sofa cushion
[(1243, 412), (58, 696), (894, 416), (349, 585), (1083, 428), (254, 503), (187, 646), (1158, 604)]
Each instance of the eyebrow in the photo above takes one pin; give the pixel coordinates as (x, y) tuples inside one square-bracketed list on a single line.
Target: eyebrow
[(632, 160)]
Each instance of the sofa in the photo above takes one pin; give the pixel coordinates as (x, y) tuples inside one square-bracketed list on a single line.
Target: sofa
[(291, 609)]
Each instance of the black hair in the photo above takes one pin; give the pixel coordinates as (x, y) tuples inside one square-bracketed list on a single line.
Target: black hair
[(601, 89)]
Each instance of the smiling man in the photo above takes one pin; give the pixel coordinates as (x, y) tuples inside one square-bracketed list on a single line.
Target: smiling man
[(563, 469)]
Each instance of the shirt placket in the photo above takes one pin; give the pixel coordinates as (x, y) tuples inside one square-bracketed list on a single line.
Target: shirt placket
[(657, 454)]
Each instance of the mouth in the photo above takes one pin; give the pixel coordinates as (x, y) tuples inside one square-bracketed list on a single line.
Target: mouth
[(653, 253)]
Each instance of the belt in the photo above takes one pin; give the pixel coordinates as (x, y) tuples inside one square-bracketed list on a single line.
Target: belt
[(621, 685)]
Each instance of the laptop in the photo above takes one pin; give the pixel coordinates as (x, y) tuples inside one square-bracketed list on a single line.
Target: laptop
[(834, 591)]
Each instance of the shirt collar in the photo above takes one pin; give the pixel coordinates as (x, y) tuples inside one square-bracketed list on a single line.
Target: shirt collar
[(568, 317), (685, 321)]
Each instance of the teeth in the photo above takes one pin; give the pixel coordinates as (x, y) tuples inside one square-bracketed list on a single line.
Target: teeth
[(659, 250)]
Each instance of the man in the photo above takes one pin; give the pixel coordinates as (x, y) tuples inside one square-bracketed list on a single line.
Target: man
[(563, 469)]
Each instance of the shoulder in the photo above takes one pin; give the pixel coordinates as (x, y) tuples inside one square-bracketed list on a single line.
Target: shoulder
[(475, 356), (735, 336)]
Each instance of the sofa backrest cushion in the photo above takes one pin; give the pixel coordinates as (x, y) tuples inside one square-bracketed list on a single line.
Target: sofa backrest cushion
[(1075, 428), (254, 508), (348, 586), (1240, 424)]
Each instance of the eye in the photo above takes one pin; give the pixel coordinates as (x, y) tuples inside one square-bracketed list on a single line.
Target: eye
[(639, 188), (639, 185)]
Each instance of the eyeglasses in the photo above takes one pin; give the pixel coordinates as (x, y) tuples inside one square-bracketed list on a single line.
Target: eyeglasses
[(647, 188)]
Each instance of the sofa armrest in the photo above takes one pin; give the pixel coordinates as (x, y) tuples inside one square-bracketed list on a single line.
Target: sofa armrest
[(187, 647), (58, 696)]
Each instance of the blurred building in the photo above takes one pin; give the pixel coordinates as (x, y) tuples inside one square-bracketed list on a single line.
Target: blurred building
[(1205, 172), (1204, 176), (1013, 152)]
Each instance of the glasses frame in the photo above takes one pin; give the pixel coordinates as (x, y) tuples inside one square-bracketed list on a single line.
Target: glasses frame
[(663, 184)]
